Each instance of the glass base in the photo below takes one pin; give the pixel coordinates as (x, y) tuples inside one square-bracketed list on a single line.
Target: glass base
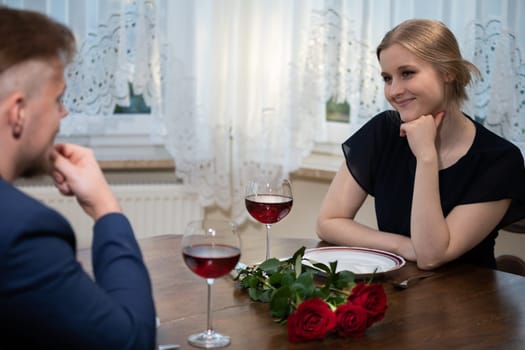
[(209, 340)]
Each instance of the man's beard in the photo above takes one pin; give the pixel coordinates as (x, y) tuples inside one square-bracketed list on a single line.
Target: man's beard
[(40, 166)]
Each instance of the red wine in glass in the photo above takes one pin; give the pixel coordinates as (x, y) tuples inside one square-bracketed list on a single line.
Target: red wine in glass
[(211, 261), (268, 208), (210, 249), (268, 201)]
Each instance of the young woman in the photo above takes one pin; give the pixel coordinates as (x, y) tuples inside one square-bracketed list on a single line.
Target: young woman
[(443, 184)]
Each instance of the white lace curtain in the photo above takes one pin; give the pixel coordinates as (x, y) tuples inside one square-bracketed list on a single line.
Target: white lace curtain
[(498, 99), (246, 81), (120, 50), (249, 79), (234, 109), (119, 44)]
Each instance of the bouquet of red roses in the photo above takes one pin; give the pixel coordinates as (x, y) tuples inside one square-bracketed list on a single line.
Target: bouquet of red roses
[(314, 307)]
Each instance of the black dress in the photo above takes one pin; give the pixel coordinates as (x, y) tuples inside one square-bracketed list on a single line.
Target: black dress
[(383, 164)]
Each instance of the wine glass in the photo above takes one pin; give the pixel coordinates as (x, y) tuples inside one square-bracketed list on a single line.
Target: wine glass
[(268, 201), (211, 249)]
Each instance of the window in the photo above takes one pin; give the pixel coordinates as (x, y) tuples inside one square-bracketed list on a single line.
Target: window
[(338, 112), (114, 85), (137, 105), (338, 118)]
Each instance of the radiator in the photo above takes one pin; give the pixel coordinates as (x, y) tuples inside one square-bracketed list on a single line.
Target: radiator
[(153, 209)]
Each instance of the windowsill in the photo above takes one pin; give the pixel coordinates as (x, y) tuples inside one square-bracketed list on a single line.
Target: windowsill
[(134, 158), (321, 164), (137, 164)]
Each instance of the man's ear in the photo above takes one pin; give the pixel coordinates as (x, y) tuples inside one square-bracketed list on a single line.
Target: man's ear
[(14, 108)]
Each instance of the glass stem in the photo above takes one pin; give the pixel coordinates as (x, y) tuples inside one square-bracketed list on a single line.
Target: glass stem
[(268, 226), (209, 327)]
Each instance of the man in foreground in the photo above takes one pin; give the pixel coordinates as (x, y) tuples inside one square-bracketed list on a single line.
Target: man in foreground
[(47, 300)]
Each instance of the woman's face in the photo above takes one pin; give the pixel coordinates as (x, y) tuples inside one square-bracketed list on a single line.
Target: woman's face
[(412, 86)]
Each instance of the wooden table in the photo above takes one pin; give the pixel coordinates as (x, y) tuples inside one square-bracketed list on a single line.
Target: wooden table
[(460, 307)]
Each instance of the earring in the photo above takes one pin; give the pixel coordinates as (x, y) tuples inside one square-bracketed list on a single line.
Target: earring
[(17, 131), (18, 126)]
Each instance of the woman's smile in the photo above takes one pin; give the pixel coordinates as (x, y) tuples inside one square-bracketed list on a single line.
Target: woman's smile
[(404, 102)]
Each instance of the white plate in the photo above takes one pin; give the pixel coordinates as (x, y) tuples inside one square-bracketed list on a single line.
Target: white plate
[(361, 261)]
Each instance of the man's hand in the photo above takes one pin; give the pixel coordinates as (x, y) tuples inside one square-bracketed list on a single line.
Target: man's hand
[(77, 173)]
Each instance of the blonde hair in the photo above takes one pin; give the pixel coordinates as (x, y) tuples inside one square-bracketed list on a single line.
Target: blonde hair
[(433, 42)]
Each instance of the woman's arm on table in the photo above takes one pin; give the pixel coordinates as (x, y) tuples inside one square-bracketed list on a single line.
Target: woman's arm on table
[(336, 221)]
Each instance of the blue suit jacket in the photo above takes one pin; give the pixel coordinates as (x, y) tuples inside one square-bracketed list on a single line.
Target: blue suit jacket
[(48, 301)]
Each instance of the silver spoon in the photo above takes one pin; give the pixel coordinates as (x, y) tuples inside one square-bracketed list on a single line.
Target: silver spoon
[(404, 284)]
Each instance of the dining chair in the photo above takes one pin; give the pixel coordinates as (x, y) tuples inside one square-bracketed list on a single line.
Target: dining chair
[(517, 227), (512, 263)]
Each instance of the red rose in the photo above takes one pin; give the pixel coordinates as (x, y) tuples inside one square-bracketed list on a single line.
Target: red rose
[(312, 320), (372, 298), (352, 320)]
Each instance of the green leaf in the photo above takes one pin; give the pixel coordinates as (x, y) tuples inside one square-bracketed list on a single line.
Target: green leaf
[(266, 296), (253, 293), (250, 282), (333, 266), (322, 293), (344, 279), (298, 254), (280, 303), (320, 266), (298, 290), (288, 279), (306, 278), (303, 286), (270, 266), (275, 279), (298, 265)]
